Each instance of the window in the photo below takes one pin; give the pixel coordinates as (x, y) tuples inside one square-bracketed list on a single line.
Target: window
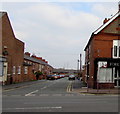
[(14, 68), (25, 70), (40, 67), (115, 51), (116, 48), (119, 51), (19, 69), (1, 68), (119, 72), (115, 82)]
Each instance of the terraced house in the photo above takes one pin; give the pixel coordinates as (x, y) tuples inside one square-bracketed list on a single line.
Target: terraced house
[(102, 55), (15, 66), (32, 64), (12, 53)]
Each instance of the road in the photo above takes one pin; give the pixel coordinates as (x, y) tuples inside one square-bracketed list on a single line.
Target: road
[(56, 96)]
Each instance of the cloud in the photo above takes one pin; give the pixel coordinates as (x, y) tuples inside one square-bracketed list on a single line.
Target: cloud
[(55, 32), (105, 10), (60, 1)]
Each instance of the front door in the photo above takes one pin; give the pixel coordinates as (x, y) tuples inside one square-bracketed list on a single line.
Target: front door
[(5, 72)]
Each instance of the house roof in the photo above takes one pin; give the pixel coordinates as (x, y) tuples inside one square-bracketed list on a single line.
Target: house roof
[(102, 27), (64, 70), (36, 60), (107, 23)]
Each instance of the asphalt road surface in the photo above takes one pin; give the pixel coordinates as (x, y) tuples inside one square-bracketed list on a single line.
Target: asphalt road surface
[(56, 96)]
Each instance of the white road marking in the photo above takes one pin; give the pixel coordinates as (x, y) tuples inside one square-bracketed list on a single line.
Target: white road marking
[(44, 87), (69, 95), (57, 95), (44, 95), (29, 94), (27, 108)]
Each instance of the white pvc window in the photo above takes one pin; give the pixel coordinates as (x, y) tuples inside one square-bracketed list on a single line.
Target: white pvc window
[(116, 48), (1, 68), (14, 68), (25, 70), (19, 69), (40, 67), (119, 51)]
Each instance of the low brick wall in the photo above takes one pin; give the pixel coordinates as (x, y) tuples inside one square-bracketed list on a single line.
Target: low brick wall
[(105, 85)]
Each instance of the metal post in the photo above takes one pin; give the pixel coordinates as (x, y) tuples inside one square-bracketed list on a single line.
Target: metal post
[(78, 67), (80, 62)]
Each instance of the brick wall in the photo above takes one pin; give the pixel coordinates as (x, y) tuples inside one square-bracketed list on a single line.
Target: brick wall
[(100, 46), (15, 49)]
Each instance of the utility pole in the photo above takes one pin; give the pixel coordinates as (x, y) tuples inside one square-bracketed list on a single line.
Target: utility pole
[(78, 68), (80, 63)]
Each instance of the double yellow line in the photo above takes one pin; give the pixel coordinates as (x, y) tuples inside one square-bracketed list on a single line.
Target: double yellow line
[(69, 87)]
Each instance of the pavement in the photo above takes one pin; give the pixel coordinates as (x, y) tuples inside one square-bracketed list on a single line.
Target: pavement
[(81, 88), (22, 84), (85, 90)]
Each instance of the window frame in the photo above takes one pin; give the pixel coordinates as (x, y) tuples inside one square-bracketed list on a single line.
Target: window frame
[(14, 70), (19, 70)]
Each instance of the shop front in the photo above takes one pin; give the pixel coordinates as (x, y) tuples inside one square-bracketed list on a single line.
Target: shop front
[(108, 73)]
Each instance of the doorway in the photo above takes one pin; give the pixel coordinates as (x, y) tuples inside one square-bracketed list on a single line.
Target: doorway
[(116, 75)]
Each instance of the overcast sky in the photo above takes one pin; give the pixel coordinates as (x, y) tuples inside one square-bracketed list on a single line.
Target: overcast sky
[(57, 31)]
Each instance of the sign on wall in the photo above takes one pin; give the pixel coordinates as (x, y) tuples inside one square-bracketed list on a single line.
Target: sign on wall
[(114, 64), (102, 64)]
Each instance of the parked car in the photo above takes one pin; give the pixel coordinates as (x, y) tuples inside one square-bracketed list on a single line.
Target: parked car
[(62, 76), (49, 77), (53, 77), (56, 77), (71, 77)]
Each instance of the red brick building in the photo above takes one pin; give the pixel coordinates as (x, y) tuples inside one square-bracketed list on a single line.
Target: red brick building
[(33, 64), (12, 51), (15, 66), (102, 55)]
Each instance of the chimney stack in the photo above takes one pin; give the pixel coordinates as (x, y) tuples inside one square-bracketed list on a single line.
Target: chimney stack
[(106, 20), (27, 53), (34, 56)]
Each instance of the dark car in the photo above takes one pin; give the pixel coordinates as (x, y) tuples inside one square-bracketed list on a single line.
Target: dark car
[(71, 77), (50, 77)]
